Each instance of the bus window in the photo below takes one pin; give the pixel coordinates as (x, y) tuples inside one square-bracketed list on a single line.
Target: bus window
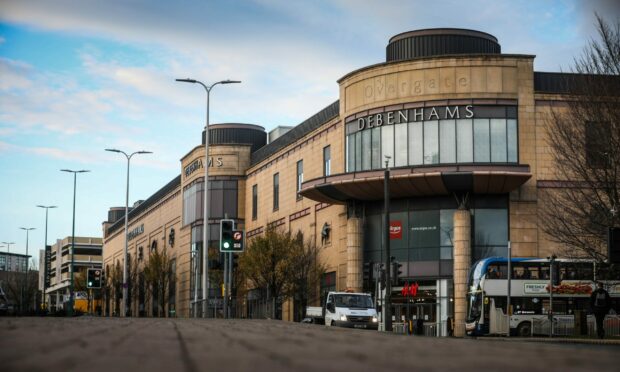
[(497, 271), (520, 271), (475, 306), (526, 305)]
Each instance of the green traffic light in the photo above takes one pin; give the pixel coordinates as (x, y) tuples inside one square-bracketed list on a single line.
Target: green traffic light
[(226, 245)]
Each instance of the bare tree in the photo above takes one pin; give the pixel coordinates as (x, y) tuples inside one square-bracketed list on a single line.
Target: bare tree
[(112, 288), (158, 275), (305, 272), (584, 139), (265, 263)]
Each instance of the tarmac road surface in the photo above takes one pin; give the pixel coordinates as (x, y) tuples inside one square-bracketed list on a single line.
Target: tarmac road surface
[(147, 345)]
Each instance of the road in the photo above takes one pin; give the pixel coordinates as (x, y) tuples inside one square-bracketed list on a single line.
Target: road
[(148, 345)]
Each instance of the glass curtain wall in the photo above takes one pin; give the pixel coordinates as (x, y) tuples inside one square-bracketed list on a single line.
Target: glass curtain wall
[(446, 141), (428, 232)]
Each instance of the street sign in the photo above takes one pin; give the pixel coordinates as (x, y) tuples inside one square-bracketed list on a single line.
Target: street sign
[(237, 242)]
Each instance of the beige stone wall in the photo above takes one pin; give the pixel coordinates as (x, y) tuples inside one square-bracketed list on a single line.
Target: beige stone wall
[(498, 77), (302, 214), (158, 219)]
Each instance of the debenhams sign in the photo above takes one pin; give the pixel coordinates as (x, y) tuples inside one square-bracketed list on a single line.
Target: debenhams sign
[(415, 114)]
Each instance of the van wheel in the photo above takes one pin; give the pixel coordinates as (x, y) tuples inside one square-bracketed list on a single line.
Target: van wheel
[(524, 330), (332, 323)]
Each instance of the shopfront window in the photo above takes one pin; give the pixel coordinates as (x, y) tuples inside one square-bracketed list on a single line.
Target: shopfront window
[(426, 238), (489, 136)]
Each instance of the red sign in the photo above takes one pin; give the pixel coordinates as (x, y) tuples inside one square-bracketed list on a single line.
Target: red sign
[(396, 230)]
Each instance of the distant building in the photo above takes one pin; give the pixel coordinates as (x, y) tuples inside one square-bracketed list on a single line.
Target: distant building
[(12, 280), (88, 254)]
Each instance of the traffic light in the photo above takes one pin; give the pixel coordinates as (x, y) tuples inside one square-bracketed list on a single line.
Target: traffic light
[(226, 235), (396, 272), (93, 278), (367, 272)]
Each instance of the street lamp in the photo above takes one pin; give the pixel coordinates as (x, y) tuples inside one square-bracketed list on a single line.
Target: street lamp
[(128, 156), (70, 309), (27, 229), (205, 224), (387, 305), (47, 208)]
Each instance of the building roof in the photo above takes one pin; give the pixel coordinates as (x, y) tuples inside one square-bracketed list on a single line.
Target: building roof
[(300, 130), (176, 182), (571, 83)]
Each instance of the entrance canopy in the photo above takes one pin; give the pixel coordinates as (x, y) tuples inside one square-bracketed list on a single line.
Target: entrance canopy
[(418, 181)]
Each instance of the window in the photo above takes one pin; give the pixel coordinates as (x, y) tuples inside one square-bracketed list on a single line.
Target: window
[(431, 142), (447, 141), (276, 191), (387, 144), (415, 143), (366, 154), (465, 141), (498, 140), (400, 147), (491, 137), (598, 138), (254, 201), (300, 177), (481, 141), (327, 161)]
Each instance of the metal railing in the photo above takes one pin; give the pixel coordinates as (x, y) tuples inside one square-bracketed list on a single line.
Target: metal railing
[(564, 325)]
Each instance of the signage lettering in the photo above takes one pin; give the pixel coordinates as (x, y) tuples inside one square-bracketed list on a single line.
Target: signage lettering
[(198, 164), (135, 232), (418, 114)]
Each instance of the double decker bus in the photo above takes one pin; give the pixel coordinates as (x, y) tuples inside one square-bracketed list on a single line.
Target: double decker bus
[(529, 293)]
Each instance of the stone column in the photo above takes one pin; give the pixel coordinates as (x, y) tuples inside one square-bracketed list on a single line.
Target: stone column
[(354, 254), (462, 262)]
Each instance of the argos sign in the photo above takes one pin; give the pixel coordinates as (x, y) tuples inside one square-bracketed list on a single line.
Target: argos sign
[(396, 230)]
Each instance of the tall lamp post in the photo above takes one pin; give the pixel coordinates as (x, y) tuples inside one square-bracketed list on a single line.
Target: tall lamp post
[(47, 208), (27, 229), (205, 225), (70, 309), (387, 306), (128, 156)]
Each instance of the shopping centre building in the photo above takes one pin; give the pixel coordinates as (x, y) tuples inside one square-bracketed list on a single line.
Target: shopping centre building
[(463, 127)]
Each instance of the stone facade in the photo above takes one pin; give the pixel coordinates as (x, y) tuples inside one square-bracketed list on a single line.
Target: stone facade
[(489, 80)]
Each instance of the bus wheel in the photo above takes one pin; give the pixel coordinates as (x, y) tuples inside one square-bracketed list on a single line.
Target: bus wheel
[(524, 329)]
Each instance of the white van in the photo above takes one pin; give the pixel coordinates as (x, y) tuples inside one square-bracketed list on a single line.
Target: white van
[(352, 310)]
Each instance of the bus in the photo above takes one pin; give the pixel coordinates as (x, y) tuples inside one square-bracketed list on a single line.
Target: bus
[(530, 299)]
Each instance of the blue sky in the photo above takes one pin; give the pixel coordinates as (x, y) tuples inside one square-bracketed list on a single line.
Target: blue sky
[(77, 77)]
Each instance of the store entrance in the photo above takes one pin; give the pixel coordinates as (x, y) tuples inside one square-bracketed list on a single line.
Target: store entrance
[(421, 307)]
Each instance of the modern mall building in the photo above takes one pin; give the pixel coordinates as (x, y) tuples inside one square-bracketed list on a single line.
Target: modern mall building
[(463, 127)]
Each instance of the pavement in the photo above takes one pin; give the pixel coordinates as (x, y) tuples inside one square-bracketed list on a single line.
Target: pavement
[(149, 345)]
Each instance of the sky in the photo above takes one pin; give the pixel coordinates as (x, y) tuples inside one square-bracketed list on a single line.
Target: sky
[(77, 77)]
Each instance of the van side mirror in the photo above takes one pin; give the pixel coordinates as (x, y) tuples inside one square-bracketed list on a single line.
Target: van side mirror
[(330, 306)]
